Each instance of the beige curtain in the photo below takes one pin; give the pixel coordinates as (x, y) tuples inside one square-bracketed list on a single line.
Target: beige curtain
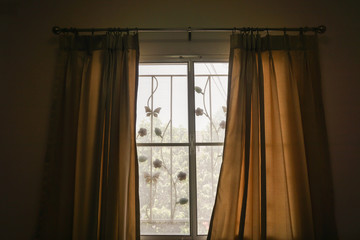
[(275, 180), (90, 183)]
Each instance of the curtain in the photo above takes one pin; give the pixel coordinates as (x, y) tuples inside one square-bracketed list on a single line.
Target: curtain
[(90, 183), (275, 181)]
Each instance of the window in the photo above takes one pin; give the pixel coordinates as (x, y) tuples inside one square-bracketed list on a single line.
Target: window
[(181, 113)]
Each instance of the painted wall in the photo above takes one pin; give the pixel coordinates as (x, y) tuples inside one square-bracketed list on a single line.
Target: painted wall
[(28, 61)]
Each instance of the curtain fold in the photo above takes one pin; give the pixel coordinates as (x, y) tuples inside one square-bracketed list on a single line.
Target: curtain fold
[(275, 181), (90, 183)]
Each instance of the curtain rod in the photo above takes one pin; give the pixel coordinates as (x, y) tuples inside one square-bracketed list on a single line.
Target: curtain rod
[(320, 29)]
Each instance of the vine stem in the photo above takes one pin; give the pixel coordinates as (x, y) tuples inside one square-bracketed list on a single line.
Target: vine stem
[(175, 191), (170, 174), (152, 93), (153, 200), (206, 112)]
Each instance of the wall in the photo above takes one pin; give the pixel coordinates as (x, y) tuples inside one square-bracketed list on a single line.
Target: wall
[(27, 70)]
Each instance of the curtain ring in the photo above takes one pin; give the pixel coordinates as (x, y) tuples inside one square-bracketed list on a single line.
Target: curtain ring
[(301, 31), (75, 31)]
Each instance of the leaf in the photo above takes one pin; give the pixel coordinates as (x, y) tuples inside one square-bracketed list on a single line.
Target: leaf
[(222, 124), (158, 132), (147, 109), (157, 110), (183, 201), (198, 89), (142, 158)]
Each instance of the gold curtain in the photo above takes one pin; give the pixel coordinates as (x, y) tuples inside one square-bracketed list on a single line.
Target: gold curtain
[(90, 183), (275, 180)]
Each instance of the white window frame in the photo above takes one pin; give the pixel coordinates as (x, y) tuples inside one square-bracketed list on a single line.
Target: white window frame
[(192, 144)]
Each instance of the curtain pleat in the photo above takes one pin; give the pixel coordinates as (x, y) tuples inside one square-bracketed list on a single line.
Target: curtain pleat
[(272, 183), (90, 183)]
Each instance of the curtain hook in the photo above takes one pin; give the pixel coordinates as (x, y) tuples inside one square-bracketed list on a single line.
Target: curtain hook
[(74, 31), (301, 31), (189, 33)]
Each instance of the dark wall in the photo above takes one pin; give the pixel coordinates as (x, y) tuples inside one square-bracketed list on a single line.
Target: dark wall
[(27, 70)]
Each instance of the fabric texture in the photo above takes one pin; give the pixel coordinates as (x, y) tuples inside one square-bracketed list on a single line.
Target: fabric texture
[(90, 183), (275, 181)]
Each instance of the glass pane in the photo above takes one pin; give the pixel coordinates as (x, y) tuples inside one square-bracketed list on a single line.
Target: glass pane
[(164, 190), (162, 105), (210, 101), (208, 163), (162, 69), (211, 68)]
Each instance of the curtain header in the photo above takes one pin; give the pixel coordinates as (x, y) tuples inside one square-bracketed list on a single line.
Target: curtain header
[(279, 42), (115, 41)]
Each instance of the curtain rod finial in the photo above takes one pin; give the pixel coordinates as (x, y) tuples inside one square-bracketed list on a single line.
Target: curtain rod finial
[(56, 30)]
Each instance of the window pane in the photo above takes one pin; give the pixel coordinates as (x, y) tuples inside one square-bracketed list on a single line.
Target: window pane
[(210, 101), (208, 163), (162, 105), (211, 68), (164, 190), (163, 69)]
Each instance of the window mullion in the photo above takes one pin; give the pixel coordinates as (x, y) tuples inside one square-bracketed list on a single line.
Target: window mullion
[(151, 149), (171, 149), (192, 151)]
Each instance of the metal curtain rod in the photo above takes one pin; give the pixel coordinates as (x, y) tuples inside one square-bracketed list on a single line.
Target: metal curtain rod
[(57, 30)]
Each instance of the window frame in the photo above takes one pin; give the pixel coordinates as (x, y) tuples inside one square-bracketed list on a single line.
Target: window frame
[(191, 144)]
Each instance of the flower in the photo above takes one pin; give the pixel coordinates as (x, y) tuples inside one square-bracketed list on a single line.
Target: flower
[(222, 124), (142, 132), (158, 132), (183, 201), (181, 176), (142, 158), (198, 90), (157, 163), (199, 111)]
